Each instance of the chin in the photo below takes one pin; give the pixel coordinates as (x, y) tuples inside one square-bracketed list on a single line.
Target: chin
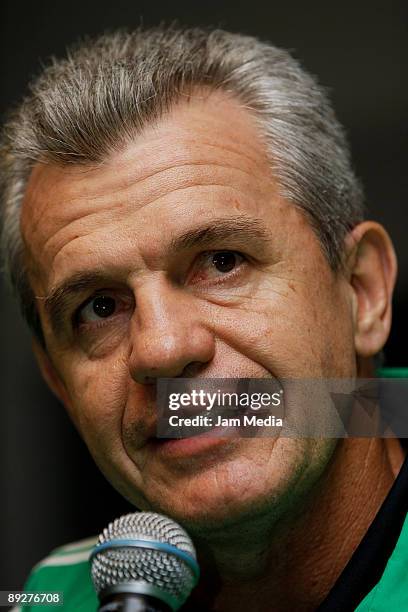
[(234, 485), (212, 514), (217, 500)]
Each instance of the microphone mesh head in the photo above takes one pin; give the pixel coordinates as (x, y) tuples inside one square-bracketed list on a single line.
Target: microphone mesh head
[(163, 570)]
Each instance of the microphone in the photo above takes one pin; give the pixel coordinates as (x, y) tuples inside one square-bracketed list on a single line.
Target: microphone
[(143, 562)]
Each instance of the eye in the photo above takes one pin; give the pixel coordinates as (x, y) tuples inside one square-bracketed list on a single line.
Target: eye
[(100, 307), (214, 265), (225, 261)]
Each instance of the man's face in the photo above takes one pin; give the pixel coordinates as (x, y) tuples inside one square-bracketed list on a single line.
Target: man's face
[(178, 257)]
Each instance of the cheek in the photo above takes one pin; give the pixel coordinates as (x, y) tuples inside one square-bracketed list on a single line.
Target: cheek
[(100, 396), (299, 330), (275, 469), (98, 391)]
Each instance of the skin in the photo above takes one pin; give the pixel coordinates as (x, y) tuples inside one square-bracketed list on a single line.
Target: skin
[(254, 506)]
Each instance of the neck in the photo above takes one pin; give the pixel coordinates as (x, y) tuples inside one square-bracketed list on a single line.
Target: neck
[(295, 565)]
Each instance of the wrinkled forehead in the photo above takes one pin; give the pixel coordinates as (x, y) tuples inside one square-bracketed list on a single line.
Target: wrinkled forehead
[(207, 139)]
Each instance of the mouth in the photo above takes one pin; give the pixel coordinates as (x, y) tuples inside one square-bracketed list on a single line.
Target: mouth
[(194, 428), (178, 448)]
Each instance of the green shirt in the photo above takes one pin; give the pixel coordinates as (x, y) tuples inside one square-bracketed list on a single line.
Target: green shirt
[(67, 569), (391, 592)]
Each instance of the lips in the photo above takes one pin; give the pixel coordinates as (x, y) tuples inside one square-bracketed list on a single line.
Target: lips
[(152, 430), (187, 447)]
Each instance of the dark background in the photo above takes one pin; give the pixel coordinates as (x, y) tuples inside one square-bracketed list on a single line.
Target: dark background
[(50, 491)]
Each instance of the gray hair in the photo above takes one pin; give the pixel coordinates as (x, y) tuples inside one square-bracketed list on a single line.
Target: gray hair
[(105, 91)]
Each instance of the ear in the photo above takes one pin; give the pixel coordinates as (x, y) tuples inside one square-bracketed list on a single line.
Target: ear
[(372, 270), (50, 374)]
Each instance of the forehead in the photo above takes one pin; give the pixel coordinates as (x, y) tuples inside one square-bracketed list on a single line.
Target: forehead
[(204, 156)]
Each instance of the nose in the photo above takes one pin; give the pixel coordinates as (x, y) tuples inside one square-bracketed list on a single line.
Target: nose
[(168, 337)]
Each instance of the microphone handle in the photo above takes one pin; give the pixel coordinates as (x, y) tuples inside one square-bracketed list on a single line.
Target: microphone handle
[(132, 602)]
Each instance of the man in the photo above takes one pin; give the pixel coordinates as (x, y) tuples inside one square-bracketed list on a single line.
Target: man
[(181, 204)]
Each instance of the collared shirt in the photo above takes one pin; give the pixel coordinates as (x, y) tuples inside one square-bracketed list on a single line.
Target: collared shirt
[(376, 577), (374, 580)]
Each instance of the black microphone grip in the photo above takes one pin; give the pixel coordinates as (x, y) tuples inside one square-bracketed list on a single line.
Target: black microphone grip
[(132, 602)]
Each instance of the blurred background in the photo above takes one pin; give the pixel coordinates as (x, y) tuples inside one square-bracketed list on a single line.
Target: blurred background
[(50, 491)]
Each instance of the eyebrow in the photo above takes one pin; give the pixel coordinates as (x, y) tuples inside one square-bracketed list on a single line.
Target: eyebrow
[(240, 229)]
